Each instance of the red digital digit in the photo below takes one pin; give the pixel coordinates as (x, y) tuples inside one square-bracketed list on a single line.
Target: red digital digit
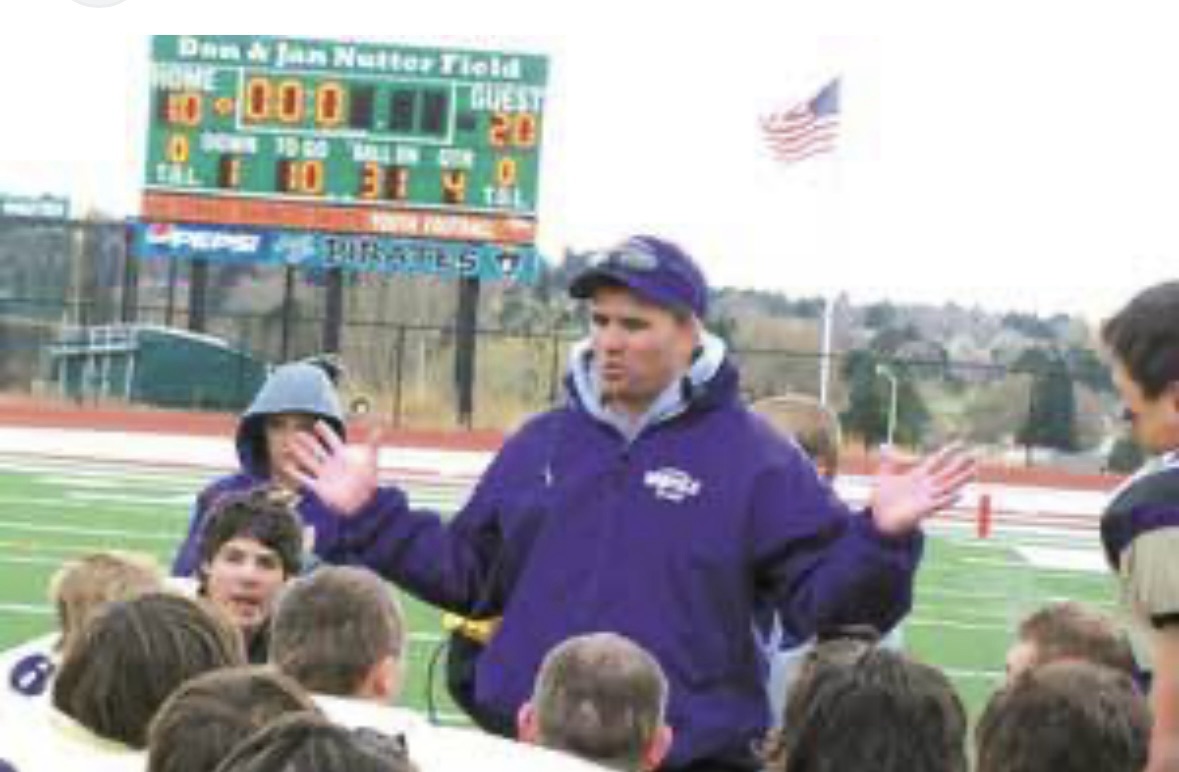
[(397, 182), (500, 131), (524, 134), (329, 104), (370, 180), (290, 101), (258, 92)]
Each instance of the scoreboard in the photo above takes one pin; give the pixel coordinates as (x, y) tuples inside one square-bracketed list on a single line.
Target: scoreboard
[(343, 136)]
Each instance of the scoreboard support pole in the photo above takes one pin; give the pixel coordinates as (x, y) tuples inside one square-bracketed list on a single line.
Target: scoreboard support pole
[(467, 320), (288, 313), (333, 316), (198, 294), (81, 282), (129, 294), (170, 301)]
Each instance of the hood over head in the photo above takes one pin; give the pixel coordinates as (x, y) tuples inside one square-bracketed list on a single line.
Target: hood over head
[(297, 387)]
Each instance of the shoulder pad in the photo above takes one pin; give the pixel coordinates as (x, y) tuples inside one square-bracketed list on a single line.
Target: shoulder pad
[(1155, 489)]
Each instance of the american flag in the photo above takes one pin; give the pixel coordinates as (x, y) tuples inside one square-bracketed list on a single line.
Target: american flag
[(807, 129)]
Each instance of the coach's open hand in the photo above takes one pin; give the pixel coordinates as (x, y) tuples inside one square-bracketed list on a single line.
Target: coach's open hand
[(344, 480), (902, 499)]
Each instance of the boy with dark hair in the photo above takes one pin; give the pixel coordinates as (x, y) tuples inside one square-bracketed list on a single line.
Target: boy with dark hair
[(307, 742), (209, 715), (883, 712), (1140, 528), (127, 660), (251, 545), (1069, 630), (826, 654), (132, 656), (1068, 716), (602, 698)]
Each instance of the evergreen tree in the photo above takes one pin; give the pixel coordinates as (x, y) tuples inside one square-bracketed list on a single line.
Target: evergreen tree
[(866, 416), (870, 400), (1052, 407), (1125, 456)]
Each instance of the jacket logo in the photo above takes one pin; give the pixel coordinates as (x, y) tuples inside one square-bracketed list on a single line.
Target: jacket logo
[(671, 484)]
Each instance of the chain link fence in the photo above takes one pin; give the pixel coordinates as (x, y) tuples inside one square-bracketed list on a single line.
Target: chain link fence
[(398, 342)]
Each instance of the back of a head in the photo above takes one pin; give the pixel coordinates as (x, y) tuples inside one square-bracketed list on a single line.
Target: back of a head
[(84, 585), (333, 626), (813, 425), (209, 715), (133, 654), (1070, 630), (883, 712), (600, 697), (832, 653), (307, 742), (1069, 716)]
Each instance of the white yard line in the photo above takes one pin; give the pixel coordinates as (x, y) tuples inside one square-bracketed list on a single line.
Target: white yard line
[(1056, 559), (209, 453), (1088, 568), (950, 624), (100, 469), (981, 675), (943, 592), (90, 496), (31, 560), (21, 525), (75, 504), (28, 609)]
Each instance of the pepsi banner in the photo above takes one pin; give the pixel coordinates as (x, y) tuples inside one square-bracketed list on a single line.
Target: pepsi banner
[(350, 252)]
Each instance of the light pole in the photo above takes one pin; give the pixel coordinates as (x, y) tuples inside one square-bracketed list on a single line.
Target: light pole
[(883, 371)]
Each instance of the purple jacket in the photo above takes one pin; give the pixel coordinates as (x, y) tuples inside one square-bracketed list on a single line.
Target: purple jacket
[(674, 538)]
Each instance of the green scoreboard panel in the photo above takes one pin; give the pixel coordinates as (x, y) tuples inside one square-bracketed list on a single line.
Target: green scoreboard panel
[(345, 136)]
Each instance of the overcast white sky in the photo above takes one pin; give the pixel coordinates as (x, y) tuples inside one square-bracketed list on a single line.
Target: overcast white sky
[(1009, 154)]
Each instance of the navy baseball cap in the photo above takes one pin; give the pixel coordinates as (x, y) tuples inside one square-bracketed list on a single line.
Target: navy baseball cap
[(655, 269)]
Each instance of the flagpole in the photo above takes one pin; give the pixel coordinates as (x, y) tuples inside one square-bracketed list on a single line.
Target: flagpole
[(825, 355), (805, 130)]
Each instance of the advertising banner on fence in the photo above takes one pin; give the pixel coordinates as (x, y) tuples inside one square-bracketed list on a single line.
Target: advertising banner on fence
[(347, 251)]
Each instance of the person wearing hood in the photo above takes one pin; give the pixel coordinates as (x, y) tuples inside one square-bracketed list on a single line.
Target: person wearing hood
[(652, 504), (290, 402)]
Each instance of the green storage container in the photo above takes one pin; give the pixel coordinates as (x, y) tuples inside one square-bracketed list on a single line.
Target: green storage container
[(154, 365)]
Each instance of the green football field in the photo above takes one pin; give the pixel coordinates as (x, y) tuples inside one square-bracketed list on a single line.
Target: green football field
[(970, 595)]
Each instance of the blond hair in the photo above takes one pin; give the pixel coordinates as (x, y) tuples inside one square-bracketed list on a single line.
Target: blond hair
[(81, 587), (813, 425)]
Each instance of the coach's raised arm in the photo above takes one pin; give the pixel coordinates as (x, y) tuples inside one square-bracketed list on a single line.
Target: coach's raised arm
[(653, 504)]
